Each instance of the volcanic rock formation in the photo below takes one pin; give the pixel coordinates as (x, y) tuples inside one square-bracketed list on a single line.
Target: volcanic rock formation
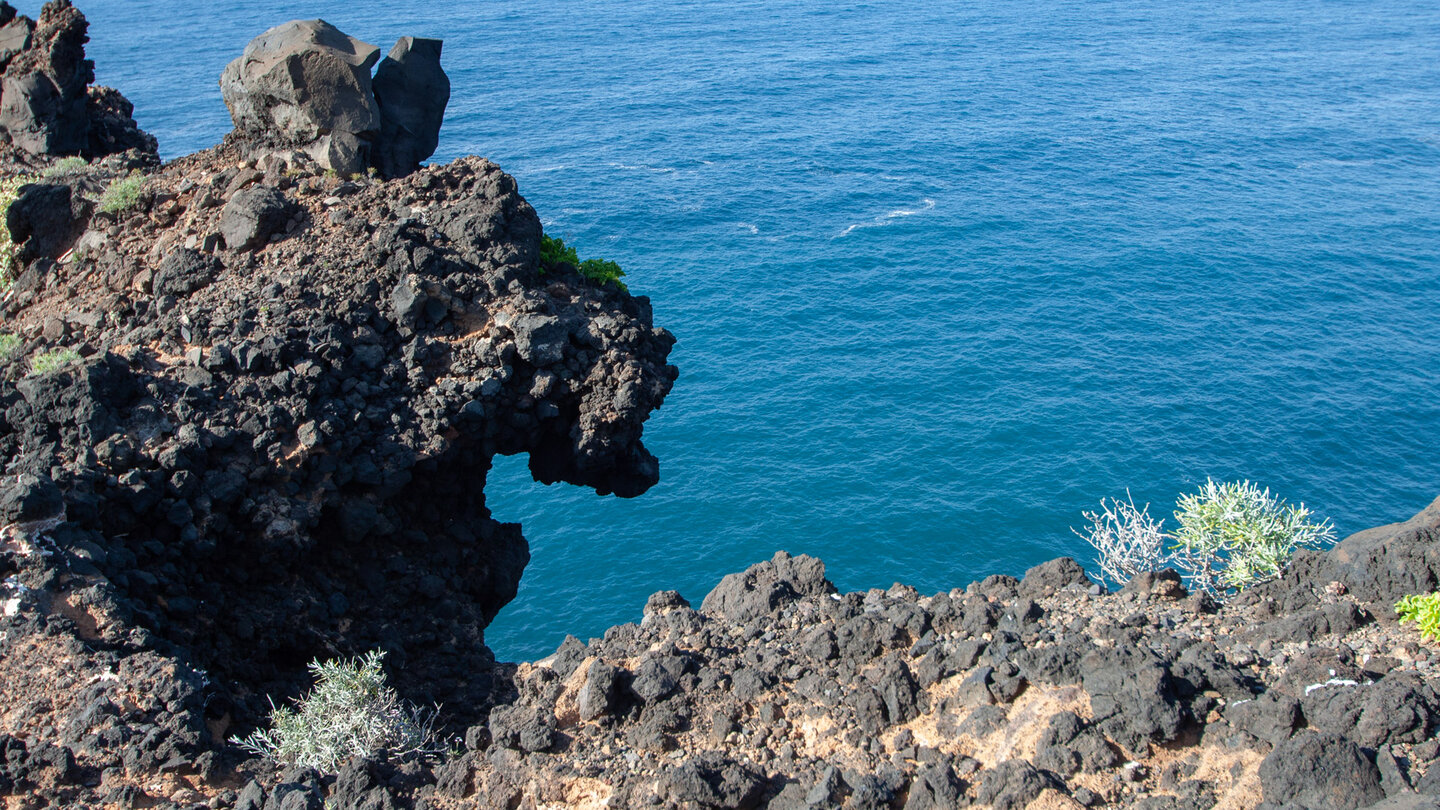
[(47, 106), (246, 418), (305, 84)]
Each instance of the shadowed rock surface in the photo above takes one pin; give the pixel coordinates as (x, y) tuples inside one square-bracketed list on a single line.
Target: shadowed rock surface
[(412, 91)]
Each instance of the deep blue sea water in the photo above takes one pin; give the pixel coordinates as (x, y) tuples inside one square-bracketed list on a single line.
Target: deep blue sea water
[(943, 274)]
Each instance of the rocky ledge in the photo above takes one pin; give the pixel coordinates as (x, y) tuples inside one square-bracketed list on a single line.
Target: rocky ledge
[(247, 409)]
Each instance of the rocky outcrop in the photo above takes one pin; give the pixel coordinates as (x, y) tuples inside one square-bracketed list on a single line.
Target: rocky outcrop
[(47, 106), (305, 84), (1378, 566)]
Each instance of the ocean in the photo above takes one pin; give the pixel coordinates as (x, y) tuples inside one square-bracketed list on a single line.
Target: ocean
[(943, 275)]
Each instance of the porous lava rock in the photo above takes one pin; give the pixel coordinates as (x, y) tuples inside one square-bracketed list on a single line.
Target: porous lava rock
[(1378, 566), (264, 454), (47, 106)]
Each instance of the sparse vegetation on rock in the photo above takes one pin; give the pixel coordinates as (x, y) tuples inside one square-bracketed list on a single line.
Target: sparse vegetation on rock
[(351, 712), (122, 194), (1234, 535), (53, 359)]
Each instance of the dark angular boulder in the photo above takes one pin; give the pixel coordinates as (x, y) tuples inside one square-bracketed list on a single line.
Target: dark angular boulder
[(934, 788), (253, 215), (112, 124), (28, 498), (767, 586), (43, 95), (1320, 771), (184, 271), (597, 695), (1132, 695), (1013, 784), (711, 781), (45, 220), (1377, 566), (1048, 577), (411, 91), (1271, 717), (522, 728)]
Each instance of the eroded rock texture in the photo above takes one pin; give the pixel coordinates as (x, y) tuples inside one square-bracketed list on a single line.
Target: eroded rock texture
[(47, 106), (277, 450)]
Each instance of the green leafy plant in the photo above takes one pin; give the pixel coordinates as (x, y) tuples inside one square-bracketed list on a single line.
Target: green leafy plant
[(350, 712), (1424, 611), (46, 362), (9, 192), (123, 193), (554, 253), (1236, 534), (66, 166), (8, 345)]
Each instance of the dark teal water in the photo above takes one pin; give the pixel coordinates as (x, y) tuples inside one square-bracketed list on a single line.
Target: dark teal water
[(943, 275)]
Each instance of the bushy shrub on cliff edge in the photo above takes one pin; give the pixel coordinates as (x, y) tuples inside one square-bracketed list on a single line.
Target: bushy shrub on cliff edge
[(1236, 534), (1231, 535), (351, 712), (554, 252)]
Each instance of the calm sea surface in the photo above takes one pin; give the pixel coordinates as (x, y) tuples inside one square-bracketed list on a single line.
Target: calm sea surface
[(943, 274)]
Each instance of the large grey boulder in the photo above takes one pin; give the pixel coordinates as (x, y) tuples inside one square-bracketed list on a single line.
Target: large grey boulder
[(767, 586), (1377, 566), (307, 83), (412, 91)]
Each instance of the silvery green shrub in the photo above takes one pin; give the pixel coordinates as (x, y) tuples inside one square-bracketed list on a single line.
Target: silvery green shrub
[(1236, 534), (351, 712)]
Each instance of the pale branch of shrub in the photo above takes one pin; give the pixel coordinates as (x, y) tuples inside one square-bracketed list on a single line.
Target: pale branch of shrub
[(351, 712), (1126, 539), (1235, 535)]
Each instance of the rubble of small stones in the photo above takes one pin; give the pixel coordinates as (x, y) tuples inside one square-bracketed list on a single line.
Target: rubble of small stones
[(306, 85)]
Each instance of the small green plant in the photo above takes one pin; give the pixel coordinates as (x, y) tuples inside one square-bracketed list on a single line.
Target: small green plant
[(1424, 611), (123, 193), (9, 192), (554, 252), (1236, 534), (66, 166), (46, 362), (351, 712), (9, 344)]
